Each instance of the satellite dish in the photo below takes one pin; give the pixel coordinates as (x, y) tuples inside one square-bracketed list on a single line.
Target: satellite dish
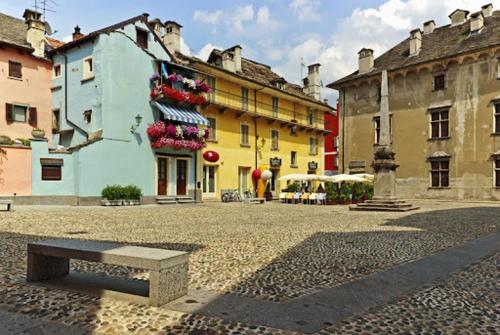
[(48, 28)]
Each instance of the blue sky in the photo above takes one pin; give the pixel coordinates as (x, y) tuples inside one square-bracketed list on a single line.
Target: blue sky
[(275, 32)]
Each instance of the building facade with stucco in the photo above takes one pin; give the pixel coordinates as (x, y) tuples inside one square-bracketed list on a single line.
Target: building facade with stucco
[(444, 100)]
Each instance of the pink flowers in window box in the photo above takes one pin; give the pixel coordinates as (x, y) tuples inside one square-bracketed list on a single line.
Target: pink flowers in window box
[(178, 137)]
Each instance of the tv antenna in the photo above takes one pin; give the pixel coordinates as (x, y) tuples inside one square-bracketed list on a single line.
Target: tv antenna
[(302, 67), (45, 6)]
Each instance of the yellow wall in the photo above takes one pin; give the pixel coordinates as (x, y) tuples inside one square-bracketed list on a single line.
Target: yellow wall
[(233, 155)]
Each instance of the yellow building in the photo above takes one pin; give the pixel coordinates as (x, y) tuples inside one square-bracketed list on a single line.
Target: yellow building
[(257, 119)]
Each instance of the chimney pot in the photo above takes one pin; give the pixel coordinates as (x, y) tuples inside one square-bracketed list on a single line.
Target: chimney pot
[(476, 22), (77, 33), (35, 34), (458, 16), (312, 83), (231, 59), (415, 42), (487, 10), (365, 60), (429, 27)]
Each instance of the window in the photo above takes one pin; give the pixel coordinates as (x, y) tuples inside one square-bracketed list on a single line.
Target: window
[(497, 118), (439, 82), (245, 134), (498, 68), (440, 124), (440, 173), (244, 98), (19, 113), (56, 71), (15, 70), (311, 117), (169, 30), (293, 159), (142, 38), (55, 119), (87, 116), (211, 83), (497, 172), (212, 129), (275, 107), (376, 126), (209, 175), (51, 168), (275, 136), (313, 146), (88, 68)]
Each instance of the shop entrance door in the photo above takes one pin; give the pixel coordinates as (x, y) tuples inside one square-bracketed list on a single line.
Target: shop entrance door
[(244, 174), (209, 181), (274, 183), (181, 176), (162, 176)]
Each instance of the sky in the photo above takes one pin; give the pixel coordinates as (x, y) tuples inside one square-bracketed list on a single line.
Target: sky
[(281, 33)]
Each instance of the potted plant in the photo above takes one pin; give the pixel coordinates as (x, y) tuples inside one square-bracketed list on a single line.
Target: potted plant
[(5, 140), (116, 195), (38, 133)]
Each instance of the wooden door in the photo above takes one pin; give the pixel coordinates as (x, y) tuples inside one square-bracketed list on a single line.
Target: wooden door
[(162, 176), (181, 176)]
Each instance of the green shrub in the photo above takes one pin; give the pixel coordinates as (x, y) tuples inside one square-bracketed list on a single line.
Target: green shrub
[(293, 187), (118, 192), (331, 191), (24, 141)]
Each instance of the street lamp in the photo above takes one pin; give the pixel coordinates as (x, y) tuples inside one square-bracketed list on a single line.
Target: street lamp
[(138, 120)]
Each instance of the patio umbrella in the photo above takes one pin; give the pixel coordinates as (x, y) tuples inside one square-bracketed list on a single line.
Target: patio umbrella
[(366, 176), (296, 177), (348, 178)]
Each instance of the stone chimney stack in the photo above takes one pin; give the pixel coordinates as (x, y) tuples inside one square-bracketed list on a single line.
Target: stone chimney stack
[(415, 42), (429, 27), (231, 59), (77, 33), (459, 16), (157, 26), (487, 10), (35, 34), (476, 22), (172, 37), (312, 83), (365, 61)]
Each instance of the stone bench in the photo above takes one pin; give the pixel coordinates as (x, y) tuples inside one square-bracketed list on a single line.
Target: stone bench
[(8, 203), (48, 261)]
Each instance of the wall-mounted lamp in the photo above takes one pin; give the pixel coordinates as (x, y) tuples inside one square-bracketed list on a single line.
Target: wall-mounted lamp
[(138, 120)]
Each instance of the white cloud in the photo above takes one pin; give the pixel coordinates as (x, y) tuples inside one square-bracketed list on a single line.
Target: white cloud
[(205, 51), (241, 15), (306, 10), (263, 16), (184, 47), (207, 17)]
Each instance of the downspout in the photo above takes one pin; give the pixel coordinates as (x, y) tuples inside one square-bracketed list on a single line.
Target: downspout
[(255, 125), (342, 92)]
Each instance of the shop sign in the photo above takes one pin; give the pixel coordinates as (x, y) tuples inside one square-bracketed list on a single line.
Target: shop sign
[(275, 162), (312, 165)]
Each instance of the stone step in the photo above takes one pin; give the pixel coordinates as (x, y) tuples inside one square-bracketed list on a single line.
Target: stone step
[(385, 201), (165, 197), (166, 202), (398, 205), (183, 197), (186, 201), (375, 208)]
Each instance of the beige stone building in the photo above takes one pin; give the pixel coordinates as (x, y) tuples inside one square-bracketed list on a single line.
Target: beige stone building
[(444, 99)]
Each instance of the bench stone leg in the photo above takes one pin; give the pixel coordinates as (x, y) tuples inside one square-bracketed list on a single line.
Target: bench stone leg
[(42, 267), (168, 284)]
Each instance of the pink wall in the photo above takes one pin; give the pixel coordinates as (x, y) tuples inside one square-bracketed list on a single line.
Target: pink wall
[(15, 170), (33, 90)]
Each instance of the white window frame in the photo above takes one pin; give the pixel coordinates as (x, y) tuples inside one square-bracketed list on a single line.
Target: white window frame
[(241, 134), (86, 72), (496, 114), (205, 179), (495, 169), (277, 148)]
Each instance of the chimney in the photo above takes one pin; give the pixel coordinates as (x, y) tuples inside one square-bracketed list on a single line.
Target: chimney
[(476, 22), (231, 59), (312, 83), (487, 10), (365, 61), (415, 42), (35, 34), (157, 26), (459, 16), (429, 27), (172, 37), (77, 34)]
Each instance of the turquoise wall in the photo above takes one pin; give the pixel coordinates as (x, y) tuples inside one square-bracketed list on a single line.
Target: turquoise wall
[(119, 91)]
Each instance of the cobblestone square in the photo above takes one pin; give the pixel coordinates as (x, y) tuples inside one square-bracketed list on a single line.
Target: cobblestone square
[(272, 252)]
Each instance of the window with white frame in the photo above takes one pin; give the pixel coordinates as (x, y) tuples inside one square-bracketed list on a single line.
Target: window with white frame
[(244, 134), (313, 145), (212, 129), (88, 68), (440, 124), (275, 135)]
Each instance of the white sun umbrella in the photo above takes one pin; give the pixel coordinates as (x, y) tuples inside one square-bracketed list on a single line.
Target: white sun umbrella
[(293, 176), (347, 178), (366, 176)]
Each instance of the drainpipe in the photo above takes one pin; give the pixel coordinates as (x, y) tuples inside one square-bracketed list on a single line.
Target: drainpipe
[(342, 110), (255, 125)]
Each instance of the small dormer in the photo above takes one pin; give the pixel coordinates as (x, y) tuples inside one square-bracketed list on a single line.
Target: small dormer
[(458, 16), (279, 83)]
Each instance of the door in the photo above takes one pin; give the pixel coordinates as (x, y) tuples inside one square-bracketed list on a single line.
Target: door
[(243, 174), (181, 176), (209, 174), (162, 175), (274, 183)]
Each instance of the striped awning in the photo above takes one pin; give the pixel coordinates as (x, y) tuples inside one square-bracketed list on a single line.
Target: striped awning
[(180, 113)]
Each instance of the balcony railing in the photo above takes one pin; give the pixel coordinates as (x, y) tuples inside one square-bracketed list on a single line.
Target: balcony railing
[(284, 116)]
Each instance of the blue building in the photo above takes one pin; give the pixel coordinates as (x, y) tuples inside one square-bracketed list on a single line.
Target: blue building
[(101, 101)]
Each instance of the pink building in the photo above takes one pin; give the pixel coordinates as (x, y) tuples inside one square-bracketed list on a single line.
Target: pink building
[(25, 99)]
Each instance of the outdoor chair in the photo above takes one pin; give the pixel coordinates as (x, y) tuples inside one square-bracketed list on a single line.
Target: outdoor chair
[(289, 197), (322, 198), (313, 198), (283, 197), (296, 197), (305, 198)]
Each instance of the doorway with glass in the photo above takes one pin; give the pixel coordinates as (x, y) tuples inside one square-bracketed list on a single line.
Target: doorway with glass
[(209, 181)]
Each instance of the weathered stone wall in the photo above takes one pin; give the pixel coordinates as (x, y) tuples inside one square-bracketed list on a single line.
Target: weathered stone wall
[(471, 85)]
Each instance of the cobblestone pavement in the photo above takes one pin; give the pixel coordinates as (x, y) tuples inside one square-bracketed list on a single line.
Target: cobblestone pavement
[(274, 252)]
